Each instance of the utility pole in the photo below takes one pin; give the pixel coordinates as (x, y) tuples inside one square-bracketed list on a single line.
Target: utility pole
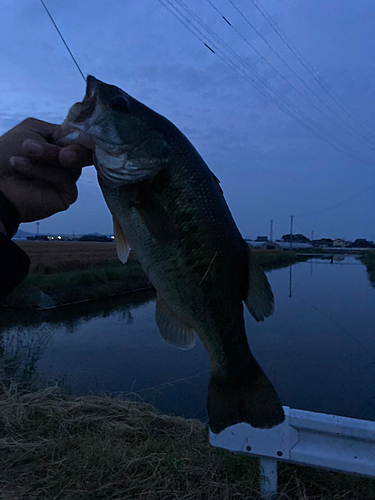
[(312, 237), (37, 228), (291, 231), (271, 235)]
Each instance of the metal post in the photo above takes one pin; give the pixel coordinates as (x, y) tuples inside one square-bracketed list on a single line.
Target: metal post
[(291, 231), (268, 478), (271, 235)]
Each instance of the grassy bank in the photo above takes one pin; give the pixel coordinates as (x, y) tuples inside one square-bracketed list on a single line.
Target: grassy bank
[(271, 259), (71, 447), (67, 272), (65, 287), (368, 260)]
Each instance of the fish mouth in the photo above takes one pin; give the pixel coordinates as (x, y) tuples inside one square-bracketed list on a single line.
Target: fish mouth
[(92, 85), (82, 126)]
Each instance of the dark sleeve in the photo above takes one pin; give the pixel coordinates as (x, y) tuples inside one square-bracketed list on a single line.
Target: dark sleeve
[(14, 266), (14, 263)]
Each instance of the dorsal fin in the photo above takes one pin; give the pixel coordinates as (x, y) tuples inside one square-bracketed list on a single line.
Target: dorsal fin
[(259, 300), (173, 330), (122, 246)]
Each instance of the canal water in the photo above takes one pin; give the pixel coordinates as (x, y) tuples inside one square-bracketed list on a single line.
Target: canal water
[(318, 348)]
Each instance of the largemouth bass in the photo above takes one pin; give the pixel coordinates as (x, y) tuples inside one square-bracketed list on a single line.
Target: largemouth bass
[(169, 208)]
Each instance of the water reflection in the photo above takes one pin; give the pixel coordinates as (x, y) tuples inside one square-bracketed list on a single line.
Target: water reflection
[(72, 316), (26, 334), (318, 348)]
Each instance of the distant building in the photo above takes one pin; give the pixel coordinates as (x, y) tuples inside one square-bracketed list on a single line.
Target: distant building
[(362, 243), (270, 245), (323, 242), (338, 243), (265, 245), (262, 238)]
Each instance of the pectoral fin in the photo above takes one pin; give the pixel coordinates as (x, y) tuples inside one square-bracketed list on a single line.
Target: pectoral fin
[(173, 330), (122, 246), (259, 300), (154, 216), (158, 224)]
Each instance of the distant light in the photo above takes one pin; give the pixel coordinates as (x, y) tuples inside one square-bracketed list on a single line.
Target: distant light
[(59, 237), (52, 238), (113, 237)]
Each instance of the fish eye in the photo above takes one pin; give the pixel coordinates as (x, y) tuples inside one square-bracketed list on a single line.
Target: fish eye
[(120, 104)]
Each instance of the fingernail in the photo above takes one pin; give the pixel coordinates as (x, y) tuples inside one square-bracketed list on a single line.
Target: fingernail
[(18, 162), (33, 148)]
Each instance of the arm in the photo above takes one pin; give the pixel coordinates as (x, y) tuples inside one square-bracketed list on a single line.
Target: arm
[(14, 263), (37, 179)]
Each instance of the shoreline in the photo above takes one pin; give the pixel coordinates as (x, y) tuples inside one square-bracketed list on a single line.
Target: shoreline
[(65, 273)]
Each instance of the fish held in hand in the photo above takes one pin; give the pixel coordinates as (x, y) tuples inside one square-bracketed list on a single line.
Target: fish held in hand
[(169, 208)]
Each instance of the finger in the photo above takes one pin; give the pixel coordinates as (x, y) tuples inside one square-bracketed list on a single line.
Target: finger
[(19, 161), (27, 167), (74, 156), (41, 151), (57, 177)]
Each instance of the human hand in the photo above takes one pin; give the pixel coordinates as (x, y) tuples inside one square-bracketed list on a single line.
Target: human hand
[(37, 176)]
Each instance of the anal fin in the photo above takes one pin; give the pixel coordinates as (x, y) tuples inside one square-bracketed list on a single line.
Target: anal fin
[(259, 299), (171, 328), (122, 246)]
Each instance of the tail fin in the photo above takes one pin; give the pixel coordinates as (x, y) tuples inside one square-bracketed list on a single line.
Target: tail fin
[(250, 400)]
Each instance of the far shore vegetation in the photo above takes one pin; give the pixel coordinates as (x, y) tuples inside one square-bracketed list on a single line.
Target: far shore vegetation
[(65, 272), (368, 260)]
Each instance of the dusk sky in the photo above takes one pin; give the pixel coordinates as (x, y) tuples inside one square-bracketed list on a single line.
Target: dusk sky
[(270, 164)]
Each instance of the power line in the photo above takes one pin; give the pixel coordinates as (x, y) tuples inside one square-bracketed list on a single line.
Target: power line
[(305, 64), (337, 121), (369, 188), (62, 38), (191, 27), (294, 72)]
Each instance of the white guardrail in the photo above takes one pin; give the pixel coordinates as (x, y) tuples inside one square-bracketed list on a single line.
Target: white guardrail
[(339, 444)]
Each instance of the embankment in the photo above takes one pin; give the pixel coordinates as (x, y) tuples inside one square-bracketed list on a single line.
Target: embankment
[(66, 272), (79, 447)]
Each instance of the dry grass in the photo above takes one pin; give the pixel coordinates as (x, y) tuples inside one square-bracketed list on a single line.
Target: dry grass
[(64, 272), (69, 447), (51, 256), (70, 271)]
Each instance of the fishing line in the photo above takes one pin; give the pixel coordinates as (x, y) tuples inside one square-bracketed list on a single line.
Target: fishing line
[(62, 38)]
